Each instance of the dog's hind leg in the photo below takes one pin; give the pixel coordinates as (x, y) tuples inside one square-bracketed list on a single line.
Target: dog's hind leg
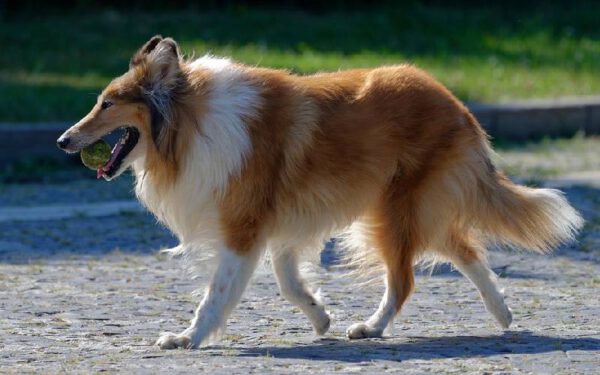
[(470, 261), (399, 284), (396, 240), (224, 291), (294, 289)]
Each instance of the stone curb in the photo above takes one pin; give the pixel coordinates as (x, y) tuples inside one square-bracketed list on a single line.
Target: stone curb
[(29, 141), (516, 121), (57, 212), (532, 119)]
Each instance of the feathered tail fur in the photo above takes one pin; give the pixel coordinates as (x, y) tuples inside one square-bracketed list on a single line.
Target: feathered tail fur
[(529, 218)]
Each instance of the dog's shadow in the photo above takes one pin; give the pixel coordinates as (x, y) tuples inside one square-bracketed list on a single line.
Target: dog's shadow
[(426, 348)]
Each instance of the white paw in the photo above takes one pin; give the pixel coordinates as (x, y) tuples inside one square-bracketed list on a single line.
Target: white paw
[(363, 331), (504, 316), (500, 311), (177, 250), (323, 325), (168, 340)]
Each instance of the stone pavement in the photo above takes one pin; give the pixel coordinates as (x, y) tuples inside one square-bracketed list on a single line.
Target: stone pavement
[(86, 293)]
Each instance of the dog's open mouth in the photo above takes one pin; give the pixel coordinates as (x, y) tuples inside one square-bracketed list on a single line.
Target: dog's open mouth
[(121, 149)]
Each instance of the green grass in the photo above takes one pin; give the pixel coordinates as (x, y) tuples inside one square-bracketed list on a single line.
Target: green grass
[(52, 67)]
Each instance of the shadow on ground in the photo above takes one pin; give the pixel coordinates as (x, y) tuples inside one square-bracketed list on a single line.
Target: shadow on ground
[(81, 236), (427, 348)]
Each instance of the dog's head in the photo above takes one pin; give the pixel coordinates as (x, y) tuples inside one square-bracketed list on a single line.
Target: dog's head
[(139, 102)]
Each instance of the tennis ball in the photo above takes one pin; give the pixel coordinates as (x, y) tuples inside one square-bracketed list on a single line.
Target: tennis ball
[(96, 155)]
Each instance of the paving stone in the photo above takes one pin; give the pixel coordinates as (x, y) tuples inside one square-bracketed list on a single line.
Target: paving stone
[(91, 294)]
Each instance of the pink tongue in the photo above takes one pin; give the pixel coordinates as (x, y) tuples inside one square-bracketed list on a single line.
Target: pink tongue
[(113, 155)]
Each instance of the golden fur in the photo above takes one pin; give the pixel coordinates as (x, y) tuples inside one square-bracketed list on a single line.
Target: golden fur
[(390, 148)]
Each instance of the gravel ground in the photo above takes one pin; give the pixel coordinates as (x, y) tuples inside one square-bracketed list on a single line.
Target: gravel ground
[(88, 294)]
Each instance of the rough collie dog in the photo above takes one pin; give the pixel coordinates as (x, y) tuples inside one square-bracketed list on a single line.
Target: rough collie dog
[(241, 160)]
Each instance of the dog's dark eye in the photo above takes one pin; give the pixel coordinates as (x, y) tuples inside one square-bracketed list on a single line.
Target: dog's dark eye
[(105, 104)]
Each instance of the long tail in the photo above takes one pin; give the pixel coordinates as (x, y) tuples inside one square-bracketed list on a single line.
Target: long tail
[(534, 219)]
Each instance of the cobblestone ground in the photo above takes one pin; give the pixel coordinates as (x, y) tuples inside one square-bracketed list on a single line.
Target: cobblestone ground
[(89, 294)]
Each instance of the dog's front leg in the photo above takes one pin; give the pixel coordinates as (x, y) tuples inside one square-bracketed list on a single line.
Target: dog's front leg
[(224, 291)]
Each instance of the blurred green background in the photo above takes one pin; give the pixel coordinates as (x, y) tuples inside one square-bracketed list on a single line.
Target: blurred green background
[(55, 61)]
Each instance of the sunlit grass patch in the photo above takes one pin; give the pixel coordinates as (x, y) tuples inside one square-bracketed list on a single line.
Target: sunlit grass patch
[(52, 66)]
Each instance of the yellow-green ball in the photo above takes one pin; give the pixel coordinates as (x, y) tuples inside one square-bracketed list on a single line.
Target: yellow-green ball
[(96, 155)]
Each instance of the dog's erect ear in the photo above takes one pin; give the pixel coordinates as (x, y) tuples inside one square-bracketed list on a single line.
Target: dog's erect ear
[(145, 50), (171, 46), (162, 77), (163, 62)]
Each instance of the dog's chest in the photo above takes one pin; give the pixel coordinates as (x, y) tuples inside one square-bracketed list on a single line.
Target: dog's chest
[(190, 212)]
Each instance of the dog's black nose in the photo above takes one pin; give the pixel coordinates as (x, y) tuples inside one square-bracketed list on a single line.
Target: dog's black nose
[(62, 142)]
